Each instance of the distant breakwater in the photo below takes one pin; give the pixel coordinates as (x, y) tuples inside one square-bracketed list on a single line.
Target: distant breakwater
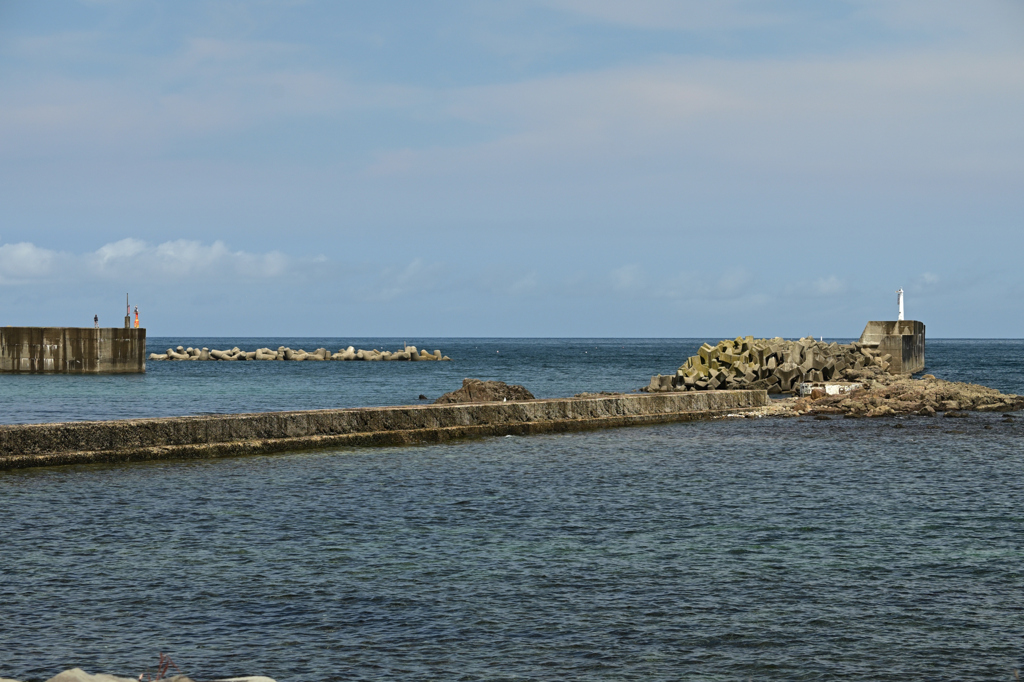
[(411, 353), (33, 445)]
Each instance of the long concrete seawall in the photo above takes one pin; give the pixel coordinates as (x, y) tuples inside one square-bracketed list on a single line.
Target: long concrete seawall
[(31, 445)]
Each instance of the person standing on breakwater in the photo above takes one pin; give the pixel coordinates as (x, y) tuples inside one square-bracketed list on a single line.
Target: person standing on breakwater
[(95, 321), (136, 317)]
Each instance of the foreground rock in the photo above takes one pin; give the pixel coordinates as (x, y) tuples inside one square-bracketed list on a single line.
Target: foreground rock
[(79, 675), (476, 391), (886, 395), (411, 353)]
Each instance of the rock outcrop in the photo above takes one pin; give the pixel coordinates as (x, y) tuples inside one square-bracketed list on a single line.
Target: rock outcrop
[(410, 353), (775, 365), (887, 395), (477, 391)]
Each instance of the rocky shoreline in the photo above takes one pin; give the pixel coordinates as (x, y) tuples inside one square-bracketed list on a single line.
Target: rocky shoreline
[(857, 379), (884, 395)]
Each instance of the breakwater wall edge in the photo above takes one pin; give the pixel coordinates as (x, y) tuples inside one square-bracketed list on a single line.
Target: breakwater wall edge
[(32, 445), (72, 350)]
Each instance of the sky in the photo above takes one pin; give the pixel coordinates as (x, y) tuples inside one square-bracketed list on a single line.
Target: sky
[(553, 168)]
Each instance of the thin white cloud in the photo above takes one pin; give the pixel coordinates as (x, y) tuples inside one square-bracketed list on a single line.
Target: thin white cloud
[(916, 109), (171, 261), (119, 251), (416, 277), (924, 283), (829, 286), (989, 22), (628, 278), (913, 113), (634, 281), (688, 15), (25, 261)]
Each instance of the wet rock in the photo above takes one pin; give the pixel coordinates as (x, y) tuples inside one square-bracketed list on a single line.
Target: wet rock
[(477, 391)]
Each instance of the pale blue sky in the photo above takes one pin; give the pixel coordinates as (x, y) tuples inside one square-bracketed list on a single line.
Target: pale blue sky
[(515, 168)]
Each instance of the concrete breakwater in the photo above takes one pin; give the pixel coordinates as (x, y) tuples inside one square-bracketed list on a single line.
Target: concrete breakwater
[(410, 353), (31, 445), (780, 366)]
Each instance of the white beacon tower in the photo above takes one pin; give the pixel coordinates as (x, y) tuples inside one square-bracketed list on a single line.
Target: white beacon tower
[(899, 302)]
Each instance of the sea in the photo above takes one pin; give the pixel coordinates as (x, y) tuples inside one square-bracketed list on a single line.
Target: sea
[(733, 549)]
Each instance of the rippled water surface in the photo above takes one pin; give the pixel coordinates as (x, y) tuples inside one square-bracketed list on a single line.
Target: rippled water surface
[(886, 549), (548, 367)]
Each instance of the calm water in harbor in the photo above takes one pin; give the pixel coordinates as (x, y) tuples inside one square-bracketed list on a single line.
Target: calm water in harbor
[(548, 367), (886, 549)]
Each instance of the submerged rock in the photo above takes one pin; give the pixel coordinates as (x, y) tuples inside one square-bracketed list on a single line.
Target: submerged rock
[(477, 391)]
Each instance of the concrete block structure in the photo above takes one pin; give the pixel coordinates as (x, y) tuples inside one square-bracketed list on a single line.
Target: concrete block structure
[(31, 445), (72, 350), (902, 339)]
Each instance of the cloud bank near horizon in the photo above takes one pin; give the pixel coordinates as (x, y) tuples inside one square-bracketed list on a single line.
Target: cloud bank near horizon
[(179, 281)]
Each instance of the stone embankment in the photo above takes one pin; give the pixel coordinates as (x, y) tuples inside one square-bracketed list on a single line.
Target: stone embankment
[(774, 365), (30, 445), (79, 675), (411, 353)]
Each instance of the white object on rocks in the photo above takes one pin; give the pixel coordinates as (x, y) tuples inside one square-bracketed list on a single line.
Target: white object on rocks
[(830, 387)]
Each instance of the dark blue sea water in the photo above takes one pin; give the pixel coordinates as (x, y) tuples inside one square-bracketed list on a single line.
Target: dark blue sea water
[(547, 367), (788, 549)]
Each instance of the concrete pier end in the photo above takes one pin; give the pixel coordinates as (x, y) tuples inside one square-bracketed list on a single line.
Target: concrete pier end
[(902, 339), (72, 350)]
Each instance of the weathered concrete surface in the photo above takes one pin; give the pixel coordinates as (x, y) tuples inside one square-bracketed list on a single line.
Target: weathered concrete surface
[(72, 350), (29, 445), (902, 339)]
